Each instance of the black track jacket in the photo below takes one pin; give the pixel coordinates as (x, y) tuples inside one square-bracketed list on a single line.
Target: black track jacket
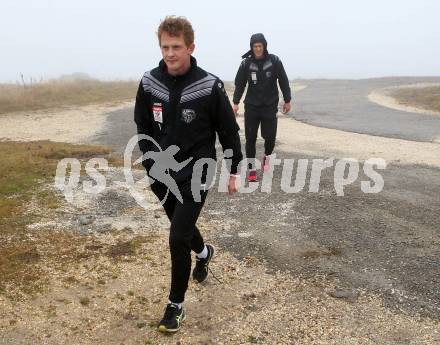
[(187, 111), (261, 77)]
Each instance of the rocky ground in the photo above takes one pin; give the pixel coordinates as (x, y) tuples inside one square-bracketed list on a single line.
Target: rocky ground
[(114, 291), (304, 268)]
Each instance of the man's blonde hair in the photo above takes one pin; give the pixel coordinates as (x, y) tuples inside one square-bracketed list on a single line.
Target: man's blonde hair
[(176, 26)]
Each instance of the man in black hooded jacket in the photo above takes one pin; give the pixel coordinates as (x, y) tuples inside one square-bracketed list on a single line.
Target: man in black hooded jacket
[(260, 71)]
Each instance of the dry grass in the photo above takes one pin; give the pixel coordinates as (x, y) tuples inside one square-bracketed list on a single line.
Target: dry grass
[(61, 93), (426, 97), (25, 163), (24, 170)]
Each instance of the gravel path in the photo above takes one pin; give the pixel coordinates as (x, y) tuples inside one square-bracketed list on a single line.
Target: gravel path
[(387, 243), (302, 268)]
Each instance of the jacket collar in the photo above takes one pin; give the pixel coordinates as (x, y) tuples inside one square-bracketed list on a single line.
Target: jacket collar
[(163, 68)]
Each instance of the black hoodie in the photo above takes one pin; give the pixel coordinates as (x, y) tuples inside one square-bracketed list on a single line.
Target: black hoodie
[(261, 75), (256, 38)]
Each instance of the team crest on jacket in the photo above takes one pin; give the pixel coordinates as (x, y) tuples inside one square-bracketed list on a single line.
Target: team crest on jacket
[(188, 115)]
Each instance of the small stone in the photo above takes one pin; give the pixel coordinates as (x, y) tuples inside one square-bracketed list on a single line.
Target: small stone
[(130, 316), (349, 295), (253, 340), (86, 220), (103, 229), (84, 232), (245, 234)]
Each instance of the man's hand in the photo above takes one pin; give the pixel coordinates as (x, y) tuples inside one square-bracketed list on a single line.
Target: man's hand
[(286, 107), (235, 109), (233, 184)]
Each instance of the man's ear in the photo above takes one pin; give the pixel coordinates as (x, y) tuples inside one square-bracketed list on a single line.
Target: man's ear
[(191, 48)]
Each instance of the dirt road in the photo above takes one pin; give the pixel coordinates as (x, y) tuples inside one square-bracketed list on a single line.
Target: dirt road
[(294, 268), (344, 104), (387, 243)]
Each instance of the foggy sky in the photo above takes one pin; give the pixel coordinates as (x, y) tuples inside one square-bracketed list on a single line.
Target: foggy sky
[(315, 39)]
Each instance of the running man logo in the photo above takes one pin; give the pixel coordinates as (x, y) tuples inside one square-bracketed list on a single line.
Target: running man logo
[(164, 161), (161, 164)]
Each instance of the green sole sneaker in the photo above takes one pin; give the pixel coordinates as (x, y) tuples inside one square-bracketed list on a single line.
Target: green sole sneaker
[(172, 320)]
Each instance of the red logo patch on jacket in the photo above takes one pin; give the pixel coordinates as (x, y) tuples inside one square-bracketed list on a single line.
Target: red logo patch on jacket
[(157, 112)]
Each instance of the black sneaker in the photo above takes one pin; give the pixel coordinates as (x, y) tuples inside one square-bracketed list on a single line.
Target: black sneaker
[(200, 272), (172, 319)]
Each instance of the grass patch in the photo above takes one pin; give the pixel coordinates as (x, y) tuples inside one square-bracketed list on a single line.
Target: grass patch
[(85, 301), (141, 325), (24, 164), (25, 169), (124, 249), (314, 254), (426, 97), (19, 266), (61, 93), (121, 249)]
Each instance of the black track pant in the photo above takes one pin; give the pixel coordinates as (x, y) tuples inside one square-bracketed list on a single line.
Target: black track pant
[(184, 235), (252, 118)]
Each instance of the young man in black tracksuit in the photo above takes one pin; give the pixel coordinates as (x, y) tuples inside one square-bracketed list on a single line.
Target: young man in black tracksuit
[(260, 71), (178, 103)]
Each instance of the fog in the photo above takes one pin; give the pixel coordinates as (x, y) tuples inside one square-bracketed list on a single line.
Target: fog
[(314, 39)]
